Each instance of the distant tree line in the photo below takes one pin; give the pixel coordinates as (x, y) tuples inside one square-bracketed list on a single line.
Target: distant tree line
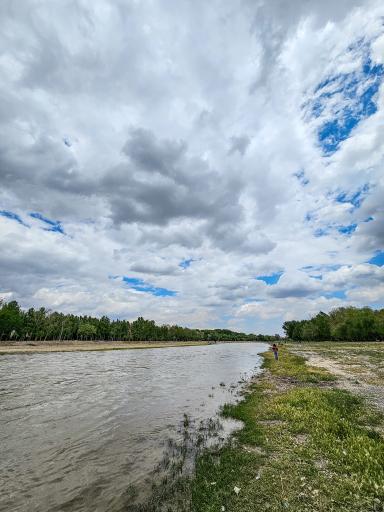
[(342, 324), (43, 325)]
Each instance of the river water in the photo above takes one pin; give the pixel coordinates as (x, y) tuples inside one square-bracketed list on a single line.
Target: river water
[(77, 429)]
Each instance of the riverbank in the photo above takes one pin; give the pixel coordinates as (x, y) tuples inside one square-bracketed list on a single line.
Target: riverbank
[(78, 346), (306, 445)]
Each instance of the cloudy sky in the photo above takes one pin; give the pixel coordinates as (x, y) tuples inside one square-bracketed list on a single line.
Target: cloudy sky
[(204, 163)]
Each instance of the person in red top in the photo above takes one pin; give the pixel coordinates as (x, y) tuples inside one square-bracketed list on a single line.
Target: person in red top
[(275, 350)]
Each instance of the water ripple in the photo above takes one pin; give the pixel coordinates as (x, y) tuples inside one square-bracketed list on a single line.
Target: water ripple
[(79, 428)]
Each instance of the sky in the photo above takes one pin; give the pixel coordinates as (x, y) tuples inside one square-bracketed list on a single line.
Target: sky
[(211, 164)]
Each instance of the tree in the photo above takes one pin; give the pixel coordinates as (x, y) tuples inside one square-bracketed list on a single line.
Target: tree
[(103, 328), (87, 331), (10, 320), (289, 328), (42, 324), (346, 323), (322, 327)]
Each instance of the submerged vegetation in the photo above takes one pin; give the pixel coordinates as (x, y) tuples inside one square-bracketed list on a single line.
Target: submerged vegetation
[(41, 324), (342, 324)]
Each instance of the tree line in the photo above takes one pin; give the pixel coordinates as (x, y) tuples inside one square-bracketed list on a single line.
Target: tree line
[(341, 324), (44, 325)]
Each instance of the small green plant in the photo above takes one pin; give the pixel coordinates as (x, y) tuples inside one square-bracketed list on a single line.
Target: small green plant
[(295, 367)]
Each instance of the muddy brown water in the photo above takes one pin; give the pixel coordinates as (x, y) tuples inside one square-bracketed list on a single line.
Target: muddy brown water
[(78, 429)]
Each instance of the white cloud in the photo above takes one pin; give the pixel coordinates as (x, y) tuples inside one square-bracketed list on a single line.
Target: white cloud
[(186, 128)]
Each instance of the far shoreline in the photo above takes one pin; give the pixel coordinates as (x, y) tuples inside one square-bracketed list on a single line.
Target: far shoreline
[(7, 348)]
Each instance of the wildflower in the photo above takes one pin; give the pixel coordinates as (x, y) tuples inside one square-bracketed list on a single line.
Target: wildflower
[(236, 489)]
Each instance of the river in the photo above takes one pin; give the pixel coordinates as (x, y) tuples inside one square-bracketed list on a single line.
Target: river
[(79, 428)]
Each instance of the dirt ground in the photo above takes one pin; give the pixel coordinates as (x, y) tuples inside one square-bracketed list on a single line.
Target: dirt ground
[(358, 366), (77, 346)]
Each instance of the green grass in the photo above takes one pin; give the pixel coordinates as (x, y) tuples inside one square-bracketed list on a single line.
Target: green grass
[(292, 366), (305, 446)]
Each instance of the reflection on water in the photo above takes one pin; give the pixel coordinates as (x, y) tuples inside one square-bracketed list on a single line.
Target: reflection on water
[(77, 429)]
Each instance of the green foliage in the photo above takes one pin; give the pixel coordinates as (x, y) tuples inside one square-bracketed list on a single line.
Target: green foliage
[(37, 325), (10, 319), (87, 331), (294, 367), (243, 411), (335, 421), (342, 324)]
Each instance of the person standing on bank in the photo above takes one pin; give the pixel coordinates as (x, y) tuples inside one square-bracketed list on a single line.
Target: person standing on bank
[(275, 350)]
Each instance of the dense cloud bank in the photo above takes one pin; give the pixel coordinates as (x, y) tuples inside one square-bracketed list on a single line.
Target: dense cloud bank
[(214, 164)]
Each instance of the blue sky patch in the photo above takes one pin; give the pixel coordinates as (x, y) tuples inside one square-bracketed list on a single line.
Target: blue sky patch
[(347, 230), (337, 294), (355, 198), (142, 286), (377, 259), (320, 232), (13, 216), (355, 94), (270, 279), (186, 263), (54, 225)]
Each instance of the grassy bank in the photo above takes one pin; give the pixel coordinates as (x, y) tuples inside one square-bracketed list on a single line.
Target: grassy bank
[(305, 446)]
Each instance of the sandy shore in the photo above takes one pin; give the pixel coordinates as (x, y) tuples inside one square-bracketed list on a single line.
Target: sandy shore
[(25, 348)]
